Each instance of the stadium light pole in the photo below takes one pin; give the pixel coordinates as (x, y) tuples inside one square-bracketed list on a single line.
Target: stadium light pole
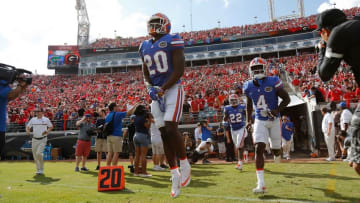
[(115, 33), (183, 27), (219, 25), (191, 25), (255, 17), (334, 5)]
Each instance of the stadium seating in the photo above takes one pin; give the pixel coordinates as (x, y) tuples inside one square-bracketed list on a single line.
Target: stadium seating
[(226, 34)]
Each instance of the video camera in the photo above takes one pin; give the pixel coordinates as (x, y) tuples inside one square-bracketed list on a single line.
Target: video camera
[(10, 74)]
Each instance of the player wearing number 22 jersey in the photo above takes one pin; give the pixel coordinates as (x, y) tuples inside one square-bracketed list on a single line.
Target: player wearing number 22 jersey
[(163, 66), (262, 93), (235, 115)]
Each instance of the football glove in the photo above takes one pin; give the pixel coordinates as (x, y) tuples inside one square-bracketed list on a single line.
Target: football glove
[(161, 102), (154, 92)]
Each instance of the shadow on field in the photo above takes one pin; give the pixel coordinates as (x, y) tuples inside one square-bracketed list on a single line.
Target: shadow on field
[(93, 173), (337, 196), (43, 180), (124, 191), (145, 181), (309, 175), (273, 197)]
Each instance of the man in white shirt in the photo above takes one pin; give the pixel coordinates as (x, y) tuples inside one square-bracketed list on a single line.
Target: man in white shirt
[(328, 129), (345, 120), (157, 147), (197, 135), (41, 127)]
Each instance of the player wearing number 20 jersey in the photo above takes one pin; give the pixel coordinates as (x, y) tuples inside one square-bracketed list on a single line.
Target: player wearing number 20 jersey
[(163, 66), (157, 57)]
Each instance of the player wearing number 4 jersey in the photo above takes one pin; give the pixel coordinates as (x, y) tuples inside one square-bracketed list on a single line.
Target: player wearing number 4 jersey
[(235, 115), (163, 66), (262, 92)]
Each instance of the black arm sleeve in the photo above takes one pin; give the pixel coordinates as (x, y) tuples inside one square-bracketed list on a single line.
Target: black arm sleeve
[(327, 68)]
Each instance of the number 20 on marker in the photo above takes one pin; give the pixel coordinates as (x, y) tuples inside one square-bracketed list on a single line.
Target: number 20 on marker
[(111, 178)]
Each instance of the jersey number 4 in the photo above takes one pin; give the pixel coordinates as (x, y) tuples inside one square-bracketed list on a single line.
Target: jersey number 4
[(160, 60), (261, 103)]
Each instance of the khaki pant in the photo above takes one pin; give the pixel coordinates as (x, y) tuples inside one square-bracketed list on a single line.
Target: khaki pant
[(330, 143), (286, 146), (38, 147), (114, 143)]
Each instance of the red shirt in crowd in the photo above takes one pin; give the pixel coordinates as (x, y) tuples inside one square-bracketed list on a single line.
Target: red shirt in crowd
[(335, 94)]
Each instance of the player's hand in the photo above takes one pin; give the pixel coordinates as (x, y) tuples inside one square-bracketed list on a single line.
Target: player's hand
[(248, 127), (153, 93), (273, 113)]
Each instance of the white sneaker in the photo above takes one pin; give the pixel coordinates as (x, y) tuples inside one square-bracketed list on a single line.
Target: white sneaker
[(185, 171), (238, 167), (277, 159), (145, 175), (158, 168), (175, 188), (330, 159), (259, 189)]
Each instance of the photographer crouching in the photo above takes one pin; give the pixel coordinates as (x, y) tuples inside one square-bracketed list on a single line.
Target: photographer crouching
[(340, 41), (8, 76)]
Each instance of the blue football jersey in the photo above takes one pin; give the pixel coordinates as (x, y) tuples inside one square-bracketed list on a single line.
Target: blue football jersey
[(157, 57), (264, 97), (236, 116)]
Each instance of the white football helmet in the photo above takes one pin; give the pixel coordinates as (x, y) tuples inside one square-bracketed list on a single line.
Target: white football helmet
[(257, 68), (233, 100)]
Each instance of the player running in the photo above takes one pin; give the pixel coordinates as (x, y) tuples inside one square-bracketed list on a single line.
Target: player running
[(262, 92), (163, 66), (235, 115)]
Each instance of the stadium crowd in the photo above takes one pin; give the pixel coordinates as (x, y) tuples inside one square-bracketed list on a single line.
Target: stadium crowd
[(226, 34), (206, 87)]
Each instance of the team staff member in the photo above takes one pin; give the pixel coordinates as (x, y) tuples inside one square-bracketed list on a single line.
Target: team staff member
[(328, 130), (287, 130), (6, 95), (41, 128), (340, 41), (83, 144), (100, 143), (115, 140)]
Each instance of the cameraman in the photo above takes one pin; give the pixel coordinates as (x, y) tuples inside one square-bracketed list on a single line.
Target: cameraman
[(340, 41), (7, 94)]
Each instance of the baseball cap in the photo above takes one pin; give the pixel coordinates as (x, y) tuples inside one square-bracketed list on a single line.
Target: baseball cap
[(132, 117), (209, 140), (87, 115), (330, 18), (342, 104)]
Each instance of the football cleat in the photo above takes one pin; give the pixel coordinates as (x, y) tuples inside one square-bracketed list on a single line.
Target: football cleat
[(260, 189), (238, 167), (175, 188), (185, 171)]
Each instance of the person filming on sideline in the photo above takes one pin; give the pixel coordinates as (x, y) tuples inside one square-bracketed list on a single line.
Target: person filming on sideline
[(41, 127), (340, 41)]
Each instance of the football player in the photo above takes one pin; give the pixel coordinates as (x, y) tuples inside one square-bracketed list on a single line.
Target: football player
[(262, 92), (235, 115), (163, 66)]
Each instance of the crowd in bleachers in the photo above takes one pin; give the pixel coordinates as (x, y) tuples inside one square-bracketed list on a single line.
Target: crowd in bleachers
[(206, 87), (341, 88), (225, 34)]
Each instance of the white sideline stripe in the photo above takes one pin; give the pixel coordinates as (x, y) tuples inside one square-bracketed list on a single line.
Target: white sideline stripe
[(185, 194)]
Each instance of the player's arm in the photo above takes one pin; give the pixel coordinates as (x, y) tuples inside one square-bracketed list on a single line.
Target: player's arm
[(132, 110), (249, 109), (178, 62), (28, 127), (146, 74), (331, 54), (284, 95), (226, 116), (78, 123), (227, 134)]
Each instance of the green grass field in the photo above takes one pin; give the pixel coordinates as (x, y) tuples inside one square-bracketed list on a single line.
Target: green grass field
[(286, 182)]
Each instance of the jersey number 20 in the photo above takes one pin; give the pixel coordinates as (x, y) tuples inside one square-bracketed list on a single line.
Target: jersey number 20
[(160, 60)]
